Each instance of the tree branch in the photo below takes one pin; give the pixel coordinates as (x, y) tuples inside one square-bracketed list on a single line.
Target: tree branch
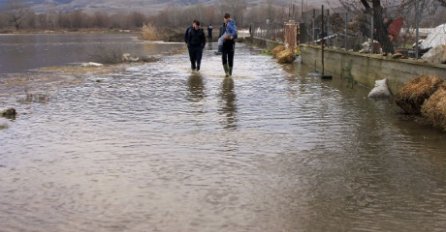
[(366, 4)]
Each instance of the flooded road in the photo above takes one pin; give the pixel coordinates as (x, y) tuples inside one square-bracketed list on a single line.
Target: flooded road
[(158, 148)]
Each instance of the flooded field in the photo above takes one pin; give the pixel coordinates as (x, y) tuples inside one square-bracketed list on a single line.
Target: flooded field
[(20, 53), (156, 147)]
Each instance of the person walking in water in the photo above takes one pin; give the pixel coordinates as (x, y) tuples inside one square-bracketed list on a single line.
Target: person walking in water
[(227, 38), (210, 28), (195, 40)]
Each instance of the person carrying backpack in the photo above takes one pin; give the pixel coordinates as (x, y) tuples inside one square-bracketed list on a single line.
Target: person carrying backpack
[(196, 41), (228, 36)]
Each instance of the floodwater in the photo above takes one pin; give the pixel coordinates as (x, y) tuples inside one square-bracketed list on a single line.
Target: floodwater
[(158, 148), (20, 53)]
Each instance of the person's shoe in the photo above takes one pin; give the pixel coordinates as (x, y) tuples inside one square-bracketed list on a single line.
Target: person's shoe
[(226, 68), (198, 68), (230, 71)]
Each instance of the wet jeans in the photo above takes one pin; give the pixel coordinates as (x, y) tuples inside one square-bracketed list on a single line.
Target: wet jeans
[(195, 54), (228, 54)]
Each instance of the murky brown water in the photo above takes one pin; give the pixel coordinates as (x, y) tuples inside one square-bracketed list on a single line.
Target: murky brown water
[(156, 148)]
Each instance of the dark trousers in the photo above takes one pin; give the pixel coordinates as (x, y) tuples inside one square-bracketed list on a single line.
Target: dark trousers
[(195, 54), (228, 54)]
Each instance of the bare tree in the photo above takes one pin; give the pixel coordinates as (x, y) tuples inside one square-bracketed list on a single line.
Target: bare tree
[(101, 20), (136, 19), (442, 2), (3, 21), (236, 8), (376, 7), (16, 12)]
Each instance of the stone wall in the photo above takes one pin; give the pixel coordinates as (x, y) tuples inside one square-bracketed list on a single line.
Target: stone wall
[(366, 68), (263, 43)]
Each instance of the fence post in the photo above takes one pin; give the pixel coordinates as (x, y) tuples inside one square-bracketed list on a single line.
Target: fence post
[(313, 26), (372, 30), (345, 31), (417, 25)]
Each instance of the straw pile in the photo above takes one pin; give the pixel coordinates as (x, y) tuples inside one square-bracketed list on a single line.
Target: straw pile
[(278, 49), (434, 109), (412, 96), (286, 57)]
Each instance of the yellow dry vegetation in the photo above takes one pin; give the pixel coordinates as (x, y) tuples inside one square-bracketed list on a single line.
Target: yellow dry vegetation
[(286, 57), (413, 94), (150, 32), (434, 109), (277, 50)]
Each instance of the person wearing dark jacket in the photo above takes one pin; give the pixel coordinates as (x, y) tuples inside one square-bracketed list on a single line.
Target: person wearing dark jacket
[(195, 40), (229, 33)]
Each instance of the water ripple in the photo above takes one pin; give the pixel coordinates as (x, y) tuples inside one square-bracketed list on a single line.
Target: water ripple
[(158, 148)]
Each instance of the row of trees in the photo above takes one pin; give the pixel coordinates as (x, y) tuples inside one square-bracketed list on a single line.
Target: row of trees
[(17, 15)]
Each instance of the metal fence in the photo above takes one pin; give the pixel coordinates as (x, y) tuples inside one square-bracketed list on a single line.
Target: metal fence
[(268, 30), (349, 29), (354, 30)]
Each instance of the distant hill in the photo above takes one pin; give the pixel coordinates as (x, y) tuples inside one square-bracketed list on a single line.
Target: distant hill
[(148, 6)]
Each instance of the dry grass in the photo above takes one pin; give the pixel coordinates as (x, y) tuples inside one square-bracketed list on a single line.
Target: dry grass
[(434, 109), (286, 57), (278, 49), (412, 96), (153, 33), (106, 55), (150, 32)]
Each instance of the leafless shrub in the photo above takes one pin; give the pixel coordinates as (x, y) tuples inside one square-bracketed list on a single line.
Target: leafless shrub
[(150, 32), (106, 55)]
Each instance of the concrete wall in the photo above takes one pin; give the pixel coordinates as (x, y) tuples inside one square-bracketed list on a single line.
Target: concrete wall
[(365, 68), (263, 43)]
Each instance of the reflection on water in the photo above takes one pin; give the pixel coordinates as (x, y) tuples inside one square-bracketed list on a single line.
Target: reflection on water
[(34, 98), (196, 87), (228, 105), (157, 148)]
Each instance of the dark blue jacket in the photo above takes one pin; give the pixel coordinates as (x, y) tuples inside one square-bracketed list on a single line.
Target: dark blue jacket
[(194, 38)]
